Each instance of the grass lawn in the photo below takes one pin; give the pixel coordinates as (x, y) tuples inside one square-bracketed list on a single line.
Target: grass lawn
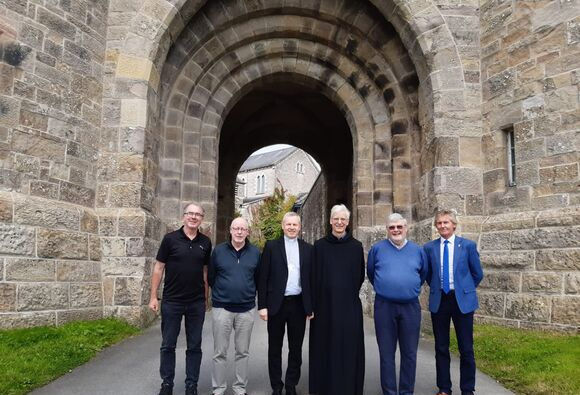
[(32, 357), (528, 362)]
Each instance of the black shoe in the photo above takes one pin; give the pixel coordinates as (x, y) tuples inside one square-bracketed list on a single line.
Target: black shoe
[(166, 390), (190, 390), (290, 391), (277, 392)]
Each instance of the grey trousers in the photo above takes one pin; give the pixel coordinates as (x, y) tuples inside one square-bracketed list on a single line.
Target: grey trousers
[(223, 322)]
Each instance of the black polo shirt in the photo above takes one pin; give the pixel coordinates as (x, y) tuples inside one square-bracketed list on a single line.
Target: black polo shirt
[(184, 260)]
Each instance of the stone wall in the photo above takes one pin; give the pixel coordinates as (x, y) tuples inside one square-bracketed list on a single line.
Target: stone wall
[(51, 83), (111, 114), (313, 212)]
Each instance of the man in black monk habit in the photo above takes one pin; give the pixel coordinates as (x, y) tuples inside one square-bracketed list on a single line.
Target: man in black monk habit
[(284, 300), (337, 352)]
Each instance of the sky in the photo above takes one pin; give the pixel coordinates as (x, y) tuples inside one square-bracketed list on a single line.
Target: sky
[(270, 148)]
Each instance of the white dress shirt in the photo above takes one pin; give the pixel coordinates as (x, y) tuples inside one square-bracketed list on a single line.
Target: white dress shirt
[(450, 248), (293, 257)]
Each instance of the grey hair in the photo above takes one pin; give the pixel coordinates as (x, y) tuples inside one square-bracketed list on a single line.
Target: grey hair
[(338, 208), (450, 213), (243, 219), (396, 217), (291, 214), (196, 204)]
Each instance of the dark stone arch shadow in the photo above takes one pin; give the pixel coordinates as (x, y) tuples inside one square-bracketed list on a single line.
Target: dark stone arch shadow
[(280, 110)]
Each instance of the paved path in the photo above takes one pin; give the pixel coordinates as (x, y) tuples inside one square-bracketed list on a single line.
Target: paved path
[(132, 368)]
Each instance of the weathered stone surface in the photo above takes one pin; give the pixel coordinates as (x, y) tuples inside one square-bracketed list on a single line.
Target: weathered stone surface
[(77, 194), (62, 317), (77, 271), (44, 147), (16, 240), (41, 212), (27, 320), (95, 249), (546, 238), (113, 246), (89, 222), (501, 281), (124, 266), (546, 283), (561, 217), (491, 304), (518, 260), (7, 297), (131, 225), (495, 241), (568, 259), (565, 310), (528, 307), (43, 296), (6, 207), (572, 283), (20, 269), (60, 244), (86, 295), (128, 291)]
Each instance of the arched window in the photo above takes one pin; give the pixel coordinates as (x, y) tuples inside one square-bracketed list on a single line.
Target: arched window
[(260, 184)]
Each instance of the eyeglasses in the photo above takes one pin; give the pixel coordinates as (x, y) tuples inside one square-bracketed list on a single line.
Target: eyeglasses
[(192, 214), (398, 227), (239, 229)]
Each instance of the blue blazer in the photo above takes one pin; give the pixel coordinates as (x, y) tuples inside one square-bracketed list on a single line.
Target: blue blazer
[(467, 273)]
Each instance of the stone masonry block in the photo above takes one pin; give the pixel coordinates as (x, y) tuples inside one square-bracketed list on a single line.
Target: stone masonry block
[(565, 310), (545, 283), (43, 296), (27, 320), (501, 281), (128, 291), (528, 307), (41, 212), (572, 283), (16, 240), (7, 297), (60, 244), (457, 180), (86, 295), (6, 207), (134, 112), (568, 259), (78, 271), (516, 260), (95, 313), (114, 266), (491, 304), (495, 241), (560, 237), (18, 269)]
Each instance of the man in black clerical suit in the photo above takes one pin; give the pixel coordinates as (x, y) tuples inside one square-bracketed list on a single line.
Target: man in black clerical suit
[(284, 300)]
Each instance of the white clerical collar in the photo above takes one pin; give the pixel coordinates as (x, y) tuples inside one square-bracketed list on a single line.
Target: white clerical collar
[(289, 240)]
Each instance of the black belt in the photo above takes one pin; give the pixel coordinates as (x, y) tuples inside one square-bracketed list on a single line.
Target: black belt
[(291, 297), (450, 293)]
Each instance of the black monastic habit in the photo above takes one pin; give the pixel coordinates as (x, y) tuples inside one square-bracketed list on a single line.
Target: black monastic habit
[(337, 354)]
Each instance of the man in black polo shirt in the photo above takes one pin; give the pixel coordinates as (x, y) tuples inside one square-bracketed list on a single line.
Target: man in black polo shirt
[(183, 255)]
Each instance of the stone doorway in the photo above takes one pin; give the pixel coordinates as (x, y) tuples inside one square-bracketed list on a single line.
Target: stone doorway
[(288, 109)]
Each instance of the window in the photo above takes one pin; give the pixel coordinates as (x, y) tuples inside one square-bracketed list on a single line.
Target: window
[(511, 156), (260, 184)]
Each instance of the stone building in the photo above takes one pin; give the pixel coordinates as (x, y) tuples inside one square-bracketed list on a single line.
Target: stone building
[(289, 169), (113, 113)]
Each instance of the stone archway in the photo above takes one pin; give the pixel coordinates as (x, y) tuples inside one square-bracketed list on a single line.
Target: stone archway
[(390, 68), (285, 108)]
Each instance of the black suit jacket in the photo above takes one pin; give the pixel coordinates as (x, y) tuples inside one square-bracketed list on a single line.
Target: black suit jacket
[(274, 275)]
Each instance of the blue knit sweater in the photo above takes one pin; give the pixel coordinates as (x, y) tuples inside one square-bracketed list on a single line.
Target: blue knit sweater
[(397, 275)]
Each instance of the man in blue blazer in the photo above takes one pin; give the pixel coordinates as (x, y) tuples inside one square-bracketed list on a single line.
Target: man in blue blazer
[(453, 276), (284, 301)]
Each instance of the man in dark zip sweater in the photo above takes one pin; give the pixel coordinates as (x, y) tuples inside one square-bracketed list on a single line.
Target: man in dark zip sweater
[(397, 268), (233, 274)]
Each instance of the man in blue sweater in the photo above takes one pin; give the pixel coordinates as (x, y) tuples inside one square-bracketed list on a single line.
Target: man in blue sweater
[(397, 268), (233, 274)]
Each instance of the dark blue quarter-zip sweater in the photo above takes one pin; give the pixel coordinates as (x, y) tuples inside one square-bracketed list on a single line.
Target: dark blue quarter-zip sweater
[(233, 277)]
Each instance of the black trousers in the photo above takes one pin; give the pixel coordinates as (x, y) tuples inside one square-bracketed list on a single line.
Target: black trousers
[(463, 323), (291, 315)]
